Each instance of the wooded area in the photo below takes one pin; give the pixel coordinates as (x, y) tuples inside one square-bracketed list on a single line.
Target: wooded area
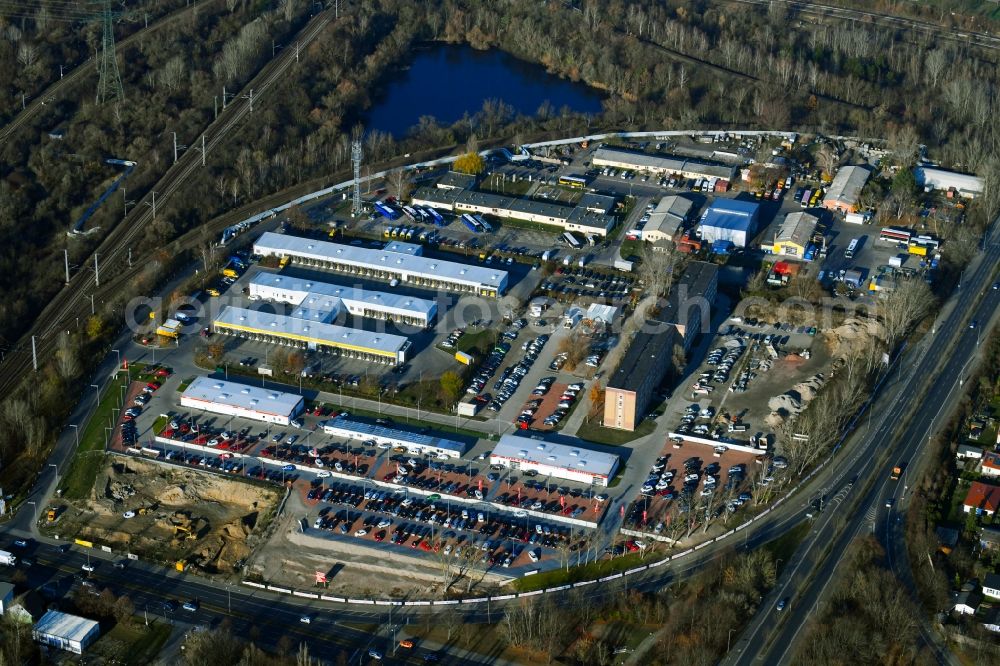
[(674, 64)]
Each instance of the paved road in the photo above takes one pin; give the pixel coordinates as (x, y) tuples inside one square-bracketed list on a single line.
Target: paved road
[(947, 359)]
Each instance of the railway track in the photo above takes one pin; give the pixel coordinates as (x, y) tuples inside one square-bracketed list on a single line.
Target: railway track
[(819, 10), (74, 300), (76, 75)]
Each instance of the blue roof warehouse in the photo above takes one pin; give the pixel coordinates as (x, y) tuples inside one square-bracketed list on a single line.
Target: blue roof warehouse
[(730, 220)]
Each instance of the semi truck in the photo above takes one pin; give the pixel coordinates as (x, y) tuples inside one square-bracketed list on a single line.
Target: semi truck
[(7, 558)]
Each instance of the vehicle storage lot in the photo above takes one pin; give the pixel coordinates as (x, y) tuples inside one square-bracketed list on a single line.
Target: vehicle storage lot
[(755, 376), (314, 464), (685, 481), (434, 526)]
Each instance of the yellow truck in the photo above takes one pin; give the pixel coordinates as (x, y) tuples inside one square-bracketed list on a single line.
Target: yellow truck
[(283, 262), (230, 273)]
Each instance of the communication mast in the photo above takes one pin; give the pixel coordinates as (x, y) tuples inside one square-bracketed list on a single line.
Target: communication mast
[(356, 195)]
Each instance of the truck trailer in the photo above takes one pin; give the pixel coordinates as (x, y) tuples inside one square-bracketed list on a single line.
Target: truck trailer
[(7, 558)]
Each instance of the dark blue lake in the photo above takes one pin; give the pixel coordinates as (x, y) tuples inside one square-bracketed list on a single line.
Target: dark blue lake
[(446, 81)]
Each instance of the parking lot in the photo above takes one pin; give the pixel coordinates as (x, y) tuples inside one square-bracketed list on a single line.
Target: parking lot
[(689, 482), (433, 525)]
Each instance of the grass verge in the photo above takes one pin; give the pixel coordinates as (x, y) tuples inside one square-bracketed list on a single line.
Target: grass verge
[(134, 643), (593, 432), (781, 549), (590, 571), (83, 470)]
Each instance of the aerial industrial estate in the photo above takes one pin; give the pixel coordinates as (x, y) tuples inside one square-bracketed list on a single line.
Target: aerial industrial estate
[(436, 399)]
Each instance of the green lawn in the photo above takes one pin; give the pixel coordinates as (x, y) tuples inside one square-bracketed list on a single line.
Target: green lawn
[(598, 569), (493, 184), (133, 643), (594, 432), (631, 248), (781, 549), (76, 483), (481, 342), (184, 384)]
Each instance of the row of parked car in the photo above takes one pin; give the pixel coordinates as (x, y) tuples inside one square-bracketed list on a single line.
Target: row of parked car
[(510, 378)]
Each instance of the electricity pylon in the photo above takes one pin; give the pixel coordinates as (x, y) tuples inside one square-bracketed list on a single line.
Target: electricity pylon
[(109, 83)]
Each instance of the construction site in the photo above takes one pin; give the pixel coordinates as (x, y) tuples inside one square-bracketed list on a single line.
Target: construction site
[(184, 518)]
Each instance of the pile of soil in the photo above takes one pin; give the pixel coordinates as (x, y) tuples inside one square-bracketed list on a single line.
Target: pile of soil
[(174, 513)]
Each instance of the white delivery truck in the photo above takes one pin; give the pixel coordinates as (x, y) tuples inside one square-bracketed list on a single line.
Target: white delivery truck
[(7, 558)]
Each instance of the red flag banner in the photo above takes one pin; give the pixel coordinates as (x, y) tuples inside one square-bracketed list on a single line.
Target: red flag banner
[(622, 510), (125, 364)]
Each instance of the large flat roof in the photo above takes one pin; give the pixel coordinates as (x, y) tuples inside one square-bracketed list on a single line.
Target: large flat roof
[(306, 330), (847, 185), (313, 295), (694, 283), (65, 626), (675, 163), (576, 458), (436, 196), (730, 214), (271, 243), (244, 396), (638, 362), (942, 179), (375, 430)]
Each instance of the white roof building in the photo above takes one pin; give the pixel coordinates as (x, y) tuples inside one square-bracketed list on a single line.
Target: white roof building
[(845, 190), (320, 299), (249, 402), (65, 631), (414, 443), (307, 328), (626, 158), (384, 264), (667, 219), (606, 314), (941, 179), (573, 463)]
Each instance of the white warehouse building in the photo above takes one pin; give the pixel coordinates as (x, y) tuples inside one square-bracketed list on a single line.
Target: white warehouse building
[(414, 443), (385, 264), (319, 299), (932, 178), (249, 402), (66, 632), (560, 461), (308, 329)]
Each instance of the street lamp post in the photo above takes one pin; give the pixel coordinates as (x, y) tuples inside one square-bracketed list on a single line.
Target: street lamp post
[(34, 510), (97, 393)]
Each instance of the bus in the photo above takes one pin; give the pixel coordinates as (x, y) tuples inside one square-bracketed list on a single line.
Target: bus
[(571, 240), (893, 235), (438, 220), (483, 224), (851, 247), (805, 198), (387, 210), (575, 182), (470, 223)]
